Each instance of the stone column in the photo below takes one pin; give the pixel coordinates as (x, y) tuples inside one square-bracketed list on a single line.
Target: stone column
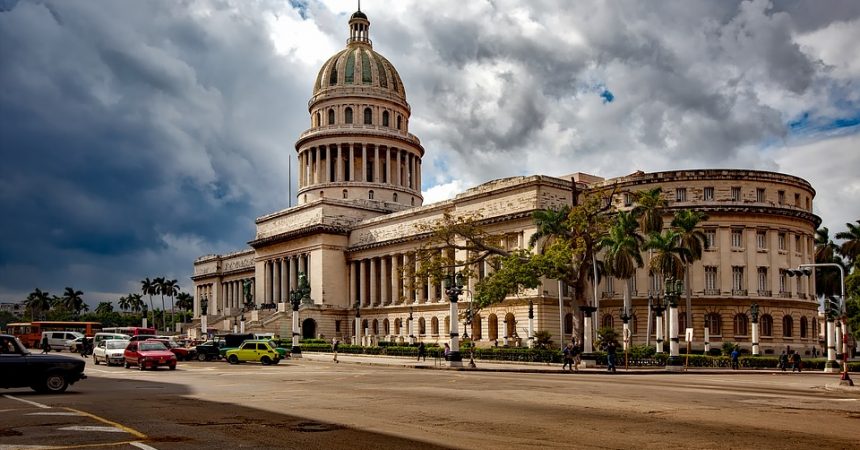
[(456, 360), (395, 279), (267, 280), (831, 365), (353, 283), (658, 323), (357, 329), (419, 289), (837, 326), (587, 314), (372, 298), (399, 168), (294, 273), (707, 340), (756, 348), (674, 361), (319, 166), (431, 290), (351, 163), (384, 281), (276, 280), (376, 175), (362, 283), (285, 277), (339, 175), (303, 265)]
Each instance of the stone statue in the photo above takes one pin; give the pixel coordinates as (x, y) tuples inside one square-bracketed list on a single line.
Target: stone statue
[(246, 292), (204, 306)]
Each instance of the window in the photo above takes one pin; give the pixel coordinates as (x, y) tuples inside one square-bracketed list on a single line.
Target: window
[(385, 118), (711, 281), (737, 238), (317, 121), (386, 327), (348, 115), (434, 326), (345, 193), (656, 284), (759, 195), (337, 326), (762, 280), (736, 194), (714, 323), (634, 324), (608, 321), (761, 240), (710, 239), (783, 282), (398, 122), (609, 286), (804, 325), (628, 199), (741, 325), (368, 116), (737, 278), (780, 197), (422, 327), (797, 200), (780, 241), (681, 194), (395, 196), (709, 194), (568, 323), (331, 117), (797, 243), (787, 326), (370, 195), (808, 205), (766, 323)]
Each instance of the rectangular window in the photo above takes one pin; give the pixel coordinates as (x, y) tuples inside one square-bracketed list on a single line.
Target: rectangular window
[(783, 282), (762, 280), (656, 284), (711, 280), (737, 238), (781, 197), (736, 194), (628, 199), (737, 278), (781, 241), (797, 243), (797, 200), (337, 326), (711, 238), (610, 288), (759, 195), (761, 240), (709, 194), (808, 204), (681, 194)]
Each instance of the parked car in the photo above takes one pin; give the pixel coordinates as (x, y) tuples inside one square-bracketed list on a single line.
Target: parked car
[(82, 345), (233, 341), (110, 351), (209, 350), (59, 340), (182, 353), (254, 350), (150, 354), (98, 337), (142, 337), (283, 351), (42, 373)]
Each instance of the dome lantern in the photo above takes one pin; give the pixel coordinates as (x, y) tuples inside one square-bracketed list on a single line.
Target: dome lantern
[(359, 29)]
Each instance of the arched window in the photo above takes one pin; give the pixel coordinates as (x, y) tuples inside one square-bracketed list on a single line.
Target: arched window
[(348, 115), (493, 327), (413, 201), (741, 325), (476, 328), (447, 324), (398, 122), (714, 323), (422, 328), (386, 328), (766, 322), (375, 326), (364, 326), (510, 325), (568, 323), (331, 117), (368, 116), (787, 326), (682, 323), (395, 196), (397, 326), (803, 328), (434, 326), (607, 320), (317, 121), (370, 195), (345, 193), (384, 118), (634, 325)]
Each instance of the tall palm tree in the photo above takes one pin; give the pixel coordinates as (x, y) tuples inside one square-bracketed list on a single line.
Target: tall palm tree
[(171, 288), (147, 287), (850, 249), (135, 302), (668, 259), (623, 251), (104, 308), (827, 282), (649, 209), (123, 303), (161, 289), (184, 301), (73, 301), (38, 301), (695, 242), (551, 224)]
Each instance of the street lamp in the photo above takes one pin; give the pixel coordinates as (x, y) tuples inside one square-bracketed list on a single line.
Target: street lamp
[(453, 289), (297, 296), (625, 318), (411, 327), (658, 308), (806, 270), (531, 324), (672, 294), (756, 350)]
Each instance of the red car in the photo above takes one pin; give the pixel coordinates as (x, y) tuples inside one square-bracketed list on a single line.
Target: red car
[(182, 353), (150, 354)]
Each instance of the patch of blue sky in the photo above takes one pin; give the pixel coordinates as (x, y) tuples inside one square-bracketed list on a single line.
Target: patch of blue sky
[(301, 6), (607, 96), (808, 123)]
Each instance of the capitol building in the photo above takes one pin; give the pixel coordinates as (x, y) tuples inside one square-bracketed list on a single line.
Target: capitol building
[(358, 222)]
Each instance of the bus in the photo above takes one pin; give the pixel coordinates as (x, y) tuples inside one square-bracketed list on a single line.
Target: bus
[(131, 331), (30, 333)]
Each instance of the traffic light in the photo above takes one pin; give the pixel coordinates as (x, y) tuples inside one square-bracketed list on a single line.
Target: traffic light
[(832, 307), (799, 272)]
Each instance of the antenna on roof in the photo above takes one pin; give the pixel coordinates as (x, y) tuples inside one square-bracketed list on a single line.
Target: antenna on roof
[(359, 5)]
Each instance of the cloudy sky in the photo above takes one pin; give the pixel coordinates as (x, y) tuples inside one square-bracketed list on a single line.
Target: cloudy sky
[(136, 136)]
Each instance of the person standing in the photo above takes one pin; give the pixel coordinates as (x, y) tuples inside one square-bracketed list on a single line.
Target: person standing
[(735, 363), (447, 351), (422, 352), (795, 362), (567, 357), (610, 356), (46, 347), (334, 345), (783, 361)]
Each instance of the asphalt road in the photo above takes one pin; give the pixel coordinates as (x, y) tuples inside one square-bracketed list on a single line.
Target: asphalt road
[(313, 404)]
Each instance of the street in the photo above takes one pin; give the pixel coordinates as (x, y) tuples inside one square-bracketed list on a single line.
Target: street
[(313, 403)]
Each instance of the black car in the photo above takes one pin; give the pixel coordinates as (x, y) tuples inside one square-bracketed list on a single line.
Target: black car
[(209, 350), (42, 373)]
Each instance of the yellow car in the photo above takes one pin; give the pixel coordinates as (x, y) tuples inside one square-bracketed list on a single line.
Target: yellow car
[(254, 350)]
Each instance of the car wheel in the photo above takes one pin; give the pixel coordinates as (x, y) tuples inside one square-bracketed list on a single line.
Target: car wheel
[(233, 359), (173, 367), (276, 361), (266, 360), (201, 357), (140, 365), (54, 383), (96, 360), (127, 365)]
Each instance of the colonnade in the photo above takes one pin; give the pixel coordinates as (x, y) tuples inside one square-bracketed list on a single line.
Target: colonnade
[(204, 291), (281, 275), (233, 293), (359, 162), (389, 280)]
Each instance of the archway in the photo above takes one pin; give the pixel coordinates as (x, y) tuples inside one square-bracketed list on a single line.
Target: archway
[(493, 327), (397, 326), (510, 325), (375, 327), (434, 326), (386, 327), (309, 329), (476, 328)]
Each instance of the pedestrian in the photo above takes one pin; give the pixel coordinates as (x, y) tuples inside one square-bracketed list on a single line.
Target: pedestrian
[(447, 351), (735, 363), (567, 356), (783, 361), (795, 362), (422, 352), (46, 347), (610, 356), (334, 345)]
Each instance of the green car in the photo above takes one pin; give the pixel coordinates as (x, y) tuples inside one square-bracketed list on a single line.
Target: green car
[(284, 352), (255, 350)]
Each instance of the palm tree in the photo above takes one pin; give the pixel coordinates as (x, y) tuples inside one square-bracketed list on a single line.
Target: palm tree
[(184, 301), (623, 252), (147, 287), (38, 300), (695, 242), (669, 256), (104, 308), (123, 303), (850, 249), (161, 289), (135, 302), (73, 301), (650, 210), (551, 224), (827, 282), (171, 288)]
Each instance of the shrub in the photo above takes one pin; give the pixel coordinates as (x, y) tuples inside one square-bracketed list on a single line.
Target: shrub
[(727, 348)]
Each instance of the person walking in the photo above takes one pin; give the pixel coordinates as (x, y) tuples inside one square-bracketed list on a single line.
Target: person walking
[(422, 352), (46, 347), (334, 345), (783, 361), (610, 356), (567, 356), (795, 362), (735, 363), (447, 351)]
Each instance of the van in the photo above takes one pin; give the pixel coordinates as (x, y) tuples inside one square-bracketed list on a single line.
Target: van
[(108, 336), (264, 336), (59, 340)]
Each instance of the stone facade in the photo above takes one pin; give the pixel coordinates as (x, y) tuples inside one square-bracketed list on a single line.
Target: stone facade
[(359, 217)]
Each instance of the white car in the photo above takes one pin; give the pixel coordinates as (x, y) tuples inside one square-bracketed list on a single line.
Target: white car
[(110, 352)]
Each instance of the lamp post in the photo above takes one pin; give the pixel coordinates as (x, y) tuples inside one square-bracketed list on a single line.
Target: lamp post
[(297, 296), (625, 318), (671, 296), (658, 308), (357, 323), (531, 324), (242, 323), (832, 365), (235, 325), (453, 289), (410, 327), (756, 349), (204, 309)]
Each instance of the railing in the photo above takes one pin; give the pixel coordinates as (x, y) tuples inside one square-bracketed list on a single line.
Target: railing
[(712, 292), (376, 130), (739, 292), (608, 294), (762, 293), (785, 294)]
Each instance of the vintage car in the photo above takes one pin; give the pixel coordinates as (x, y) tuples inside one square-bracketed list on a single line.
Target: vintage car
[(42, 373), (110, 352), (182, 353), (209, 350), (254, 350), (150, 354)]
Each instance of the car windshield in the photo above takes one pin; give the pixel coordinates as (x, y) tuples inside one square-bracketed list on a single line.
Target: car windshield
[(117, 344), (152, 346)]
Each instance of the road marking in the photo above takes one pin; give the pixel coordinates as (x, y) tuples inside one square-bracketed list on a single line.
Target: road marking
[(38, 405), (92, 428), (142, 445), (844, 399), (69, 447), (132, 431), (52, 413)]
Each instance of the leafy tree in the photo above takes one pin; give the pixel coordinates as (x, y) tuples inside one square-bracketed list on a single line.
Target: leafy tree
[(135, 302), (605, 336), (649, 209), (124, 303), (551, 225), (827, 280), (623, 251), (543, 339), (693, 240), (850, 248), (185, 301), (104, 308)]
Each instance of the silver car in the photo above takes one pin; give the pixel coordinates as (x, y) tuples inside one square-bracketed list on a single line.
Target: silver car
[(110, 352)]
